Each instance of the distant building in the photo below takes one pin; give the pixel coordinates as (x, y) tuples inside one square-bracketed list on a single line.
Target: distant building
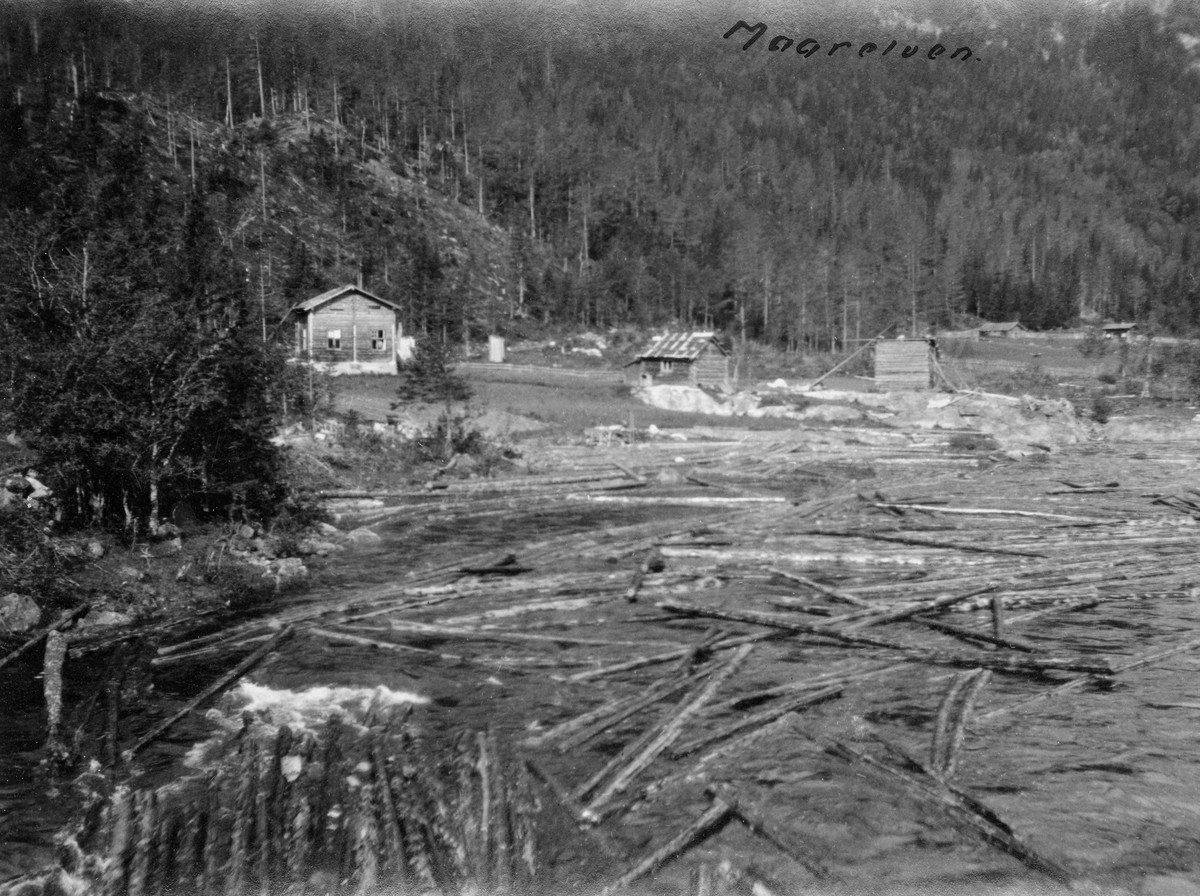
[(1004, 330), (348, 329), (903, 363), (1118, 331), (695, 359)]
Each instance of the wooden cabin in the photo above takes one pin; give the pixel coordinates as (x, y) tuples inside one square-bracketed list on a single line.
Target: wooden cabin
[(1004, 330), (693, 359), (349, 330), (1118, 330), (903, 363)]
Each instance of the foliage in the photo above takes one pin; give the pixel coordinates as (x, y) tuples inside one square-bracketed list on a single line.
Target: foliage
[(1093, 344), (654, 177), (429, 376), (31, 563), (453, 435), (1102, 407), (134, 364)]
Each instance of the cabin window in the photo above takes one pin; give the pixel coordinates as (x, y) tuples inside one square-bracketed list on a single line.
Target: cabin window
[(333, 339), (301, 335), (666, 366), (373, 306), (378, 340)]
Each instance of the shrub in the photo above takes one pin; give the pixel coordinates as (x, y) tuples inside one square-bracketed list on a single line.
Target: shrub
[(1093, 344), (1101, 407), (428, 377)]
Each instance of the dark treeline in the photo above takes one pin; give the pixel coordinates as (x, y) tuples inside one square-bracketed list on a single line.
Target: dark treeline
[(648, 170)]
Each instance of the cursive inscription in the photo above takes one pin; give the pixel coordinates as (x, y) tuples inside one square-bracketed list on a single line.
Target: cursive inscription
[(809, 47)]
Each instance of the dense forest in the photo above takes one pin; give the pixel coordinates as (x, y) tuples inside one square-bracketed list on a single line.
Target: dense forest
[(173, 178), (645, 168)]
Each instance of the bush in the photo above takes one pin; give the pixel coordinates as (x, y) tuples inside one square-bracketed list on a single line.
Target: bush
[(1102, 407), (1093, 344), (428, 377), (453, 435)]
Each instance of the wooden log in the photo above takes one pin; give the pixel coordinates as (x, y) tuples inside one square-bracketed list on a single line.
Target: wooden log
[(755, 819), (997, 617), (776, 622), (712, 819), (915, 610), (122, 831), (65, 620), (247, 774), (658, 691), (818, 587), (940, 747), (755, 720), (975, 636), (211, 691), (625, 767), (923, 542), (681, 653), (1096, 678), (986, 511), (929, 789), (652, 559), (574, 809), (52, 685)]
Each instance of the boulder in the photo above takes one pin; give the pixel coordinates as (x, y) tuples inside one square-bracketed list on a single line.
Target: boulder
[(327, 530), (96, 550), (18, 613), (363, 536)]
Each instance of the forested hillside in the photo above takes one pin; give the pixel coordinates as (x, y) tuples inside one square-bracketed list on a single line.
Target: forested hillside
[(633, 165)]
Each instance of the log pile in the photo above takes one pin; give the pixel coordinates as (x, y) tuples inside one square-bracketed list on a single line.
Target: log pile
[(659, 670)]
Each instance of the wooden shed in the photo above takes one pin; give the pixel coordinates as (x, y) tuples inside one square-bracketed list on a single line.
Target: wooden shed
[(903, 363), (348, 329), (1118, 330), (1003, 330), (694, 359)]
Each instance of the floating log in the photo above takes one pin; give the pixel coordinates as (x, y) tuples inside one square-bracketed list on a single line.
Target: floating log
[(817, 586), (65, 620), (923, 607), (923, 542), (52, 684), (951, 721), (208, 693), (1094, 678), (986, 511), (931, 789), (754, 720), (659, 691), (575, 810), (776, 622), (754, 819), (976, 636), (681, 653), (713, 818), (627, 764)]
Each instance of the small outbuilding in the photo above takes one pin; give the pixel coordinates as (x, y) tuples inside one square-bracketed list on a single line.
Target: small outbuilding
[(903, 363), (1005, 330), (348, 329), (1118, 331), (694, 359)]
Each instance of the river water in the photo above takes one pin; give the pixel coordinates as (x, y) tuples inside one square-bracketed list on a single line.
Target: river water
[(1104, 779)]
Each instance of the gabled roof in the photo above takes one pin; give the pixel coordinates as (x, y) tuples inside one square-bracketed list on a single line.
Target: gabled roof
[(1004, 327), (1125, 326), (680, 347), (336, 293)]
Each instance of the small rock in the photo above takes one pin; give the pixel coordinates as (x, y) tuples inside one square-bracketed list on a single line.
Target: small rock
[(327, 530), (167, 530), (131, 574), (363, 536), (246, 532), (18, 613), (290, 568), (95, 550), (105, 619)]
